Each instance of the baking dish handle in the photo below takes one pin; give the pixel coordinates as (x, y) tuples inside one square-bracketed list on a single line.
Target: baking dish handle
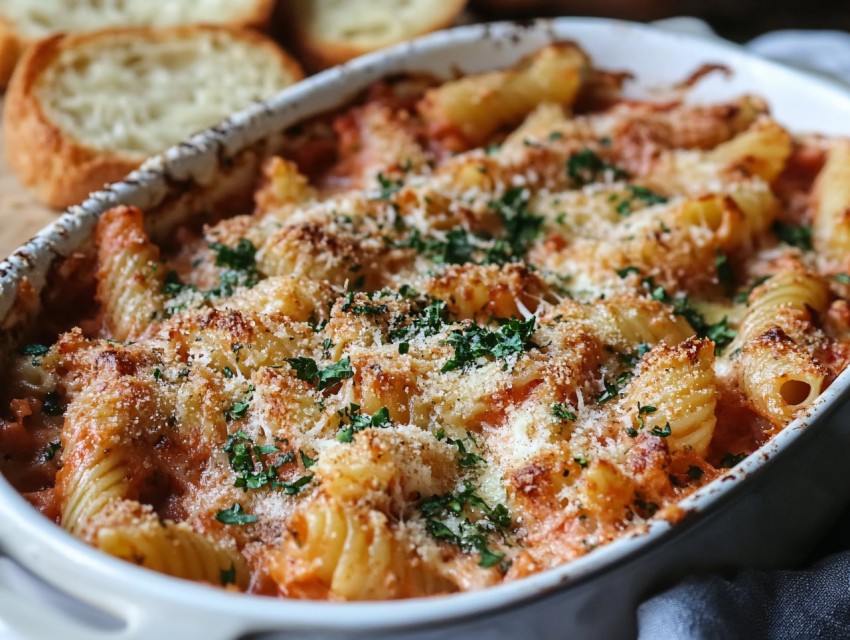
[(29, 611)]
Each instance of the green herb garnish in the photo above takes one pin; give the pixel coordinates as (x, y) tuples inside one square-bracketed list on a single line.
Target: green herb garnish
[(521, 226), (35, 350), (625, 271), (799, 236), (52, 404), (662, 432), (50, 451), (474, 522), (694, 472), (239, 408), (306, 460), (235, 515), (585, 167), (228, 576), (358, 421), (474, 341), (729, 460), (467, 458), (389, 186), (560, 410), (639, 194), (307, 369), (724, 271), (742, 296)]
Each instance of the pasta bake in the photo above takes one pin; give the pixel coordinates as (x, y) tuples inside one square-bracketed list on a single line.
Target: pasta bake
[(471, 330)]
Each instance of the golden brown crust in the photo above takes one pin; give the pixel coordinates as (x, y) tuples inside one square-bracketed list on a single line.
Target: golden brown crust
[(60, 169), (320, 52), (14, 44)]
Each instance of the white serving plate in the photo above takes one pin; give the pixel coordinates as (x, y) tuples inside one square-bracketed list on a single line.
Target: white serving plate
[(765, 512)]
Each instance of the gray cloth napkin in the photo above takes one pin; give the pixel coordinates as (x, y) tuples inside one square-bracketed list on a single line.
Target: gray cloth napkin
[(809, 603)]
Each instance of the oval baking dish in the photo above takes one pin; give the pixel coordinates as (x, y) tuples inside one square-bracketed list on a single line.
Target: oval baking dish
[(764, 512)]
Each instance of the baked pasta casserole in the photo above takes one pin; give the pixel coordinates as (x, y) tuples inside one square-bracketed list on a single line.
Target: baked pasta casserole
[(471, 330)]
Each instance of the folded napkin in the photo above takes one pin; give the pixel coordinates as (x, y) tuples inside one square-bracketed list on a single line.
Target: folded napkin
[(813, 602)]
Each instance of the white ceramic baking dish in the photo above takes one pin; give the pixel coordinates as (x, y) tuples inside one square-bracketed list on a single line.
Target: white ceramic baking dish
[(765, 512)]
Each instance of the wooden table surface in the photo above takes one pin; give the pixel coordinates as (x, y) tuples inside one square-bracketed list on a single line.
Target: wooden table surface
[(21, 215)]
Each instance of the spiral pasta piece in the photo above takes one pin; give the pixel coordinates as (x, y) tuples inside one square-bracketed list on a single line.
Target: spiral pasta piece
[(129, 275), (779, 378), (176, 550), (351, 553), (678, 384)]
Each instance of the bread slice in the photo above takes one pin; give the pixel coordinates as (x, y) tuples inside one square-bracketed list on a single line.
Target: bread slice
[(83, 110), (22, 22), (329, 32)]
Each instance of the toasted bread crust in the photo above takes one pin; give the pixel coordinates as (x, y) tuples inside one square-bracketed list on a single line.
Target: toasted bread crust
[(59, 168), (13, 44), (319, 51)]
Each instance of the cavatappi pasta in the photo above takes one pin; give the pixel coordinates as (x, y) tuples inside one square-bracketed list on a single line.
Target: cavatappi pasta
[(469, 332)]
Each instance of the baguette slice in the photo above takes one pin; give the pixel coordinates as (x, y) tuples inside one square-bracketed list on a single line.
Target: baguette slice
[(22, 22), (83, 110), (329, 32)]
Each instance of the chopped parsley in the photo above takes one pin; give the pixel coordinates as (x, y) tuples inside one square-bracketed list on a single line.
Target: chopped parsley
[(427, 322), (585, 167), (646, 509), (725, 276), (388, 186), (694, 472), (611, 391), (362, 309), (719, 332), (560, 410), (581, 461), (248, 461), (643, 411), (228, 373), (662, 432), (729, 460), (639, 194), (307, 369), (521, 226), (465, 520), (239, 270), (173, 286), (742, 296), (50, 451), (625, 271), (358, 421), (228, 576), (242, 257), (35, 350), (293, 488), (456, 248), (799, 236), (474, 342), (467, 458), (235, 515), (52, 404), (306, 460), (239, 408), (842, 277), (641, 350)]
